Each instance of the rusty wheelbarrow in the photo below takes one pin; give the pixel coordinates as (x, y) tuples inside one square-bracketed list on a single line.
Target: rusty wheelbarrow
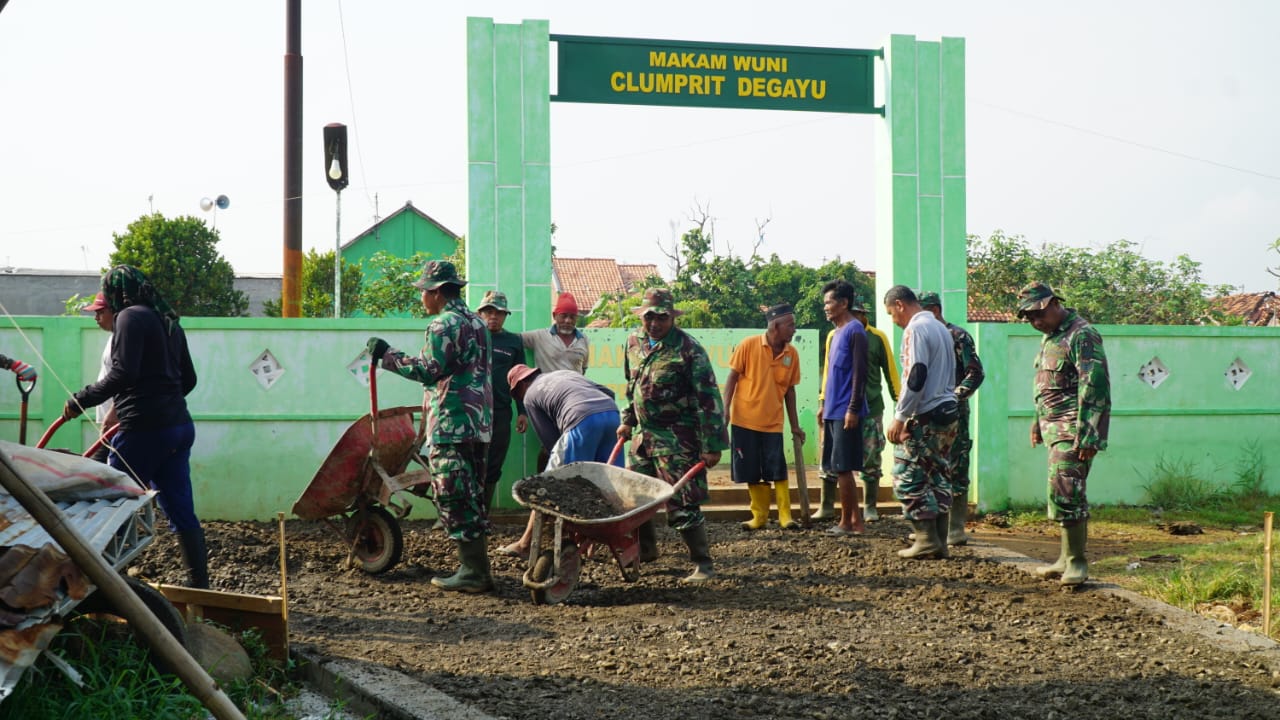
[(353, 490), (633, 499)]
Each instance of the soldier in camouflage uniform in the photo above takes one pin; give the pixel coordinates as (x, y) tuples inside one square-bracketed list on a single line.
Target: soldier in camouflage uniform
[(1073, 416), (454, 368), (924, 423), (969, 376), (676, 415)]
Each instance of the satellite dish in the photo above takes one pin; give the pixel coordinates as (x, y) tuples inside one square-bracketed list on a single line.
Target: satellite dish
[(223, 202), (206, 204)]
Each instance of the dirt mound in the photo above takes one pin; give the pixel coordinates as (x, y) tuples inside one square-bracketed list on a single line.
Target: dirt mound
[(795, 625)]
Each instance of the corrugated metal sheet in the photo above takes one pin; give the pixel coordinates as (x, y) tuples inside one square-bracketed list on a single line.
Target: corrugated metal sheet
[(118, 528)]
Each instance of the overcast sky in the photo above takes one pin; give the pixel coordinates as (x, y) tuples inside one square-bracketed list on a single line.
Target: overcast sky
[(1088, 122)]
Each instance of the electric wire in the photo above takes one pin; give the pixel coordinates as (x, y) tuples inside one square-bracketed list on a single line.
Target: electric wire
[(351, 100)]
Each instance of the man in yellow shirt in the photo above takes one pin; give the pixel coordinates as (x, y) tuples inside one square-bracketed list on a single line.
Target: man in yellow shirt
[(763, 373)]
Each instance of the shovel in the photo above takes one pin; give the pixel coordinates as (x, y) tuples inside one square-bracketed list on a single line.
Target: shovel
[(798, 448), (25, 389)]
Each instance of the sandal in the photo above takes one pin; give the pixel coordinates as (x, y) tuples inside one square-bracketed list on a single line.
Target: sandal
[(513, 550), (841, 532)]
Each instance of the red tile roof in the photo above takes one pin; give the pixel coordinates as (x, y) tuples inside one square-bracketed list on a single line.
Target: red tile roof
[(1259, 309), (589, 278)]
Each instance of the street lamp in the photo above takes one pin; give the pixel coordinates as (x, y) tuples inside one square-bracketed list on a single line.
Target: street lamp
[(337, 175)]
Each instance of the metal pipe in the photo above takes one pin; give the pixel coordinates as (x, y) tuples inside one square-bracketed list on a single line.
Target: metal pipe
[(291, 282)]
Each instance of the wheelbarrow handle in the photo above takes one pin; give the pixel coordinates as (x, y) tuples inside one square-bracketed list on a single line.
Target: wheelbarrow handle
[(617, 448), (106, 435), (53, 428), (684, 480)]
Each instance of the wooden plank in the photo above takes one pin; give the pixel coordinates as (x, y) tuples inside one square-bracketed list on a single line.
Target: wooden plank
[(236, 611)]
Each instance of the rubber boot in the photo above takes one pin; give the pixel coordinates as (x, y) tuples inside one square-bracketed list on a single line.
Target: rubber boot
[(955, 531), (473, 569), (870, 495), (699, 553), (940, 525), (927, 543), (759, 506), (195, 556), (647, 534), (827, 505), (1077, 570), (1049, 572), (783, 492)]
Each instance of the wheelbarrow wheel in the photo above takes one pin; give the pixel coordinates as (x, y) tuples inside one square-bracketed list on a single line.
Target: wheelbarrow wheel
[(97, 603), (570, 565), (376, 541)]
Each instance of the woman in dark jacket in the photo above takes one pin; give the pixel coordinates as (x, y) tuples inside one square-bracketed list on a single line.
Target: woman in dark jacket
[(151, 374)]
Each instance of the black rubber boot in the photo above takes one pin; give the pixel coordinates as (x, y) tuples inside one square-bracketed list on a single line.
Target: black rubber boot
[(699, 553), (473, 569), (940, 525), (648, 536), (195, 556), (870, 497)]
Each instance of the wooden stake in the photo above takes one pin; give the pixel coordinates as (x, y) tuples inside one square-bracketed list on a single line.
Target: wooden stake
[(284, 583), (1266, 574)]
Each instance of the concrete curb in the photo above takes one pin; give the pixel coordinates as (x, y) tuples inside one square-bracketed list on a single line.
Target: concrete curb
[(370, 689)]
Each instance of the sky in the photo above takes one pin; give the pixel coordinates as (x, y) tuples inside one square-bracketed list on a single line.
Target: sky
[(1088, 122)]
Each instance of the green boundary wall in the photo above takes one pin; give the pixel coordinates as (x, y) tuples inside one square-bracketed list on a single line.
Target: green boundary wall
[(1194, 415), (257, 447)]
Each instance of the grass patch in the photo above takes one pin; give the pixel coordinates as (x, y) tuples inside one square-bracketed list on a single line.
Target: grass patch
[(119, 681)]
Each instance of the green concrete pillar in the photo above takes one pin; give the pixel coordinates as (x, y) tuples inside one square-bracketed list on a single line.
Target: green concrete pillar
[(920, 175), (509, 176), (509, 166)]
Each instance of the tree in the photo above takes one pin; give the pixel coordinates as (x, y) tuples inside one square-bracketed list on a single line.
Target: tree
[(389, 288), (1112, 285), (179, 256), (317, 287)]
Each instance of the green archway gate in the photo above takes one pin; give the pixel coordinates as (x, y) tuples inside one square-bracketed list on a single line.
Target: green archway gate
[(920, 138), (920, 158)]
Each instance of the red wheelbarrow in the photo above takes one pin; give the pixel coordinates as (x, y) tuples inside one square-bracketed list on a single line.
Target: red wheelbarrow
[(634, 500), (353, 490)]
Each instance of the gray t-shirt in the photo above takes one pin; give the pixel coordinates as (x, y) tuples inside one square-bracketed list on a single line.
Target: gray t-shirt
[(557, 401), (550, 352), (926, 340)]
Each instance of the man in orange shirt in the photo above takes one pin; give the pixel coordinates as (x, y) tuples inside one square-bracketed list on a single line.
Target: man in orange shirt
[(763, 373)]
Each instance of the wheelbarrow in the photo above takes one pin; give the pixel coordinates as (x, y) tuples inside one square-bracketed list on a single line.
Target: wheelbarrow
[(353, 490), (633, 498)]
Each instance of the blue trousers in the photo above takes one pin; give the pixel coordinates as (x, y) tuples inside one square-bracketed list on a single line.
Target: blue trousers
[(161, 460)]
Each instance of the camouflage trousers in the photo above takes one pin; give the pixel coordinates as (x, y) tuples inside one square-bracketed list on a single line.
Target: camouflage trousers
[(1068, 476), (873, 444), (961, 449), (684, 509), (922, 464), (457, 480)]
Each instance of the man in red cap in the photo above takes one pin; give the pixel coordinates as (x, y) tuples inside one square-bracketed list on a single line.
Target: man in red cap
[(105, 414), (561, 347)]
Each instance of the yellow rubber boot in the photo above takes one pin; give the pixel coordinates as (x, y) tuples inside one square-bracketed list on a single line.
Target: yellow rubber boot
[(759, 506), (783, 492)]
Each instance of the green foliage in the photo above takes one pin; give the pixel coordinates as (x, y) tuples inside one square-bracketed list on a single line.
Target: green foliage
[(75, 304), (119, 680), (180, 257), (388, 289), (317, 287), (1177, 485), (1112, 285), (725, 291)]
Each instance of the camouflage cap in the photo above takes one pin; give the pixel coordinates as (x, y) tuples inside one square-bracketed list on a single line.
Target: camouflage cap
[(858, 304), (437, 273), (1035, 296), (930, 298), (658, 301), (496, 300)]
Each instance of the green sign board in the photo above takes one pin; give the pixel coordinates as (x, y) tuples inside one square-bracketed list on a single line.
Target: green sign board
[(631, 71)]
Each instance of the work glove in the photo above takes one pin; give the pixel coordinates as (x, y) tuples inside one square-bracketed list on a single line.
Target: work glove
[(25, 372), (377, 348), (71, 410)]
